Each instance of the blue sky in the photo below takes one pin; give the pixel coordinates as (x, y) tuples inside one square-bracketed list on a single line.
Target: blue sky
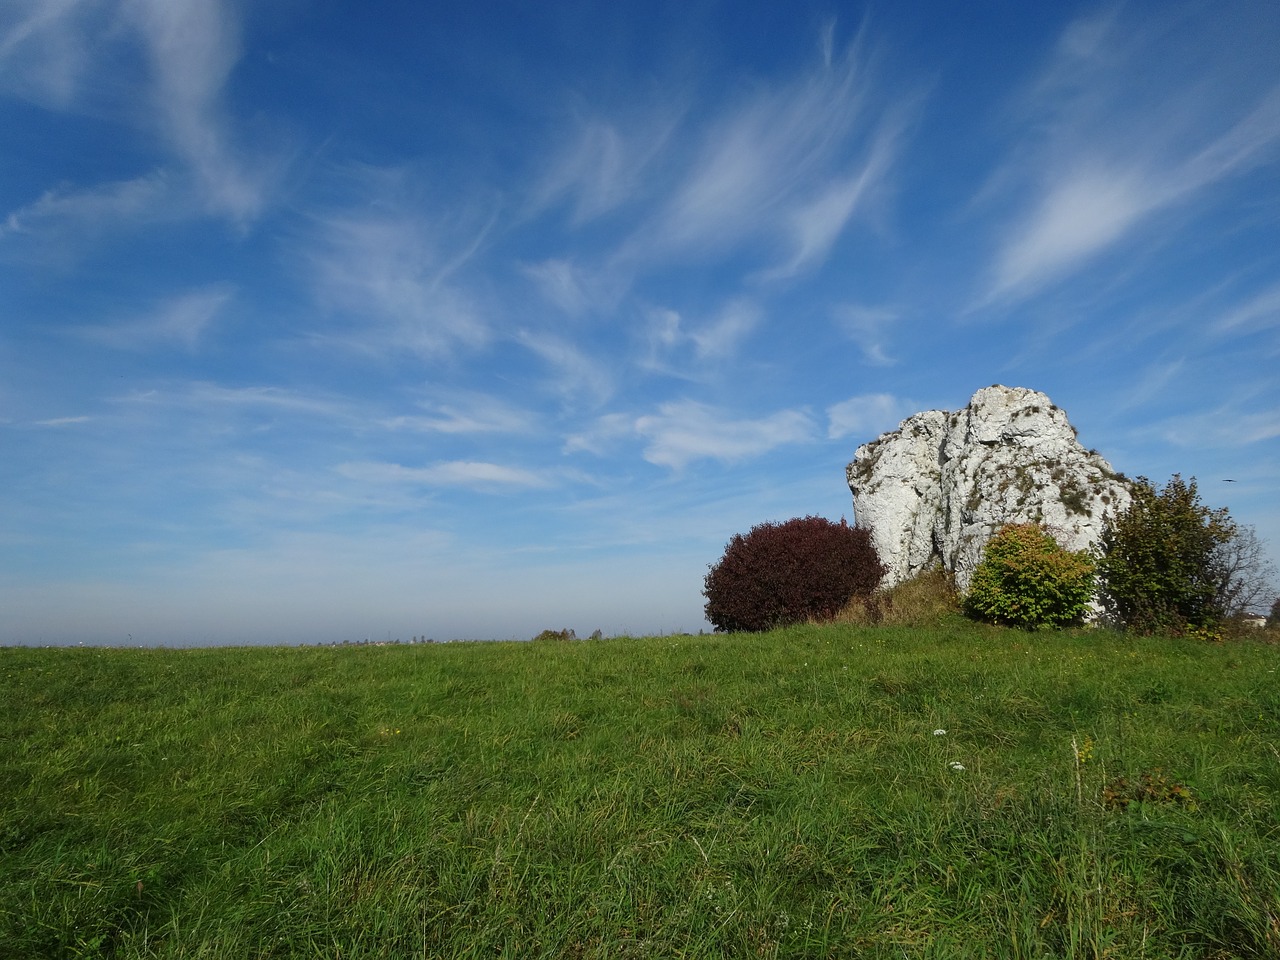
[(473, 319)]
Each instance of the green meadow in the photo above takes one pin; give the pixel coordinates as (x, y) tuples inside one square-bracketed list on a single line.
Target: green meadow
[(818, 791)]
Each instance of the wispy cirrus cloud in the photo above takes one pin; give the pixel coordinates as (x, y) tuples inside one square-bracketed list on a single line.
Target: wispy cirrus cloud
[(150, 198), (464, 413), (180, 321), (214, 400), (781, 169), (1153, 382), (1230, 425), (787, 164), (390, 279), (575, 372), (815, 225), (868, 327), (608, 164), (47, 47), (682, 349), (63, 421), (1078, 215), (83, 54), (721, 336), (1106, 148), (683, 431), (601, 435), (472, 474), (867, 415), (192, 47), (574, 289), (1258, 312)]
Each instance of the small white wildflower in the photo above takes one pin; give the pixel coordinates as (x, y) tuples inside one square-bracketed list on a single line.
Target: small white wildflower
[(939, 732), (956, 765)]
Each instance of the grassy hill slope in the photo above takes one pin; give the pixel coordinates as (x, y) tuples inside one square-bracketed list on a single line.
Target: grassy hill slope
[(785, 794)]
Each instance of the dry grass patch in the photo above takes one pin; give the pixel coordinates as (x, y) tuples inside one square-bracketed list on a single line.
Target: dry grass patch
[(924, 600)]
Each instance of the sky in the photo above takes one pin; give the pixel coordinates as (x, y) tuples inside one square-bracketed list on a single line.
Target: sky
[(323, 321)]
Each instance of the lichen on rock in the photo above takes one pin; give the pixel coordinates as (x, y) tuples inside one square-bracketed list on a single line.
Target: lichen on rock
[(935, 490)]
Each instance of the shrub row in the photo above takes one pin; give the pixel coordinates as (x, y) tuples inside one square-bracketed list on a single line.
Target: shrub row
[(1167, 563)]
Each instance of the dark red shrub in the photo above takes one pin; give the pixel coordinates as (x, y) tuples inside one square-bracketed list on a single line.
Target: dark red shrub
[(804, 569)]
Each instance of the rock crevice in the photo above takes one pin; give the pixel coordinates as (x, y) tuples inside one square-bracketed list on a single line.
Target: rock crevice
[(936, 489)]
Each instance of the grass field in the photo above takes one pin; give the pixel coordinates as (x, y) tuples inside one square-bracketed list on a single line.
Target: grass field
[(789, 794)]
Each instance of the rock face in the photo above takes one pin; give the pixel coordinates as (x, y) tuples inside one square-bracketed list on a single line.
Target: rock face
[(935, 490)]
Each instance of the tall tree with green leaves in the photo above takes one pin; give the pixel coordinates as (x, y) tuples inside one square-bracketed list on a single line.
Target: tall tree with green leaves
[(1160, 562)]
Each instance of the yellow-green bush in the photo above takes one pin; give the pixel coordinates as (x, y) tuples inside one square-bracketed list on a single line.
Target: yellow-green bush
[(1027, 579)]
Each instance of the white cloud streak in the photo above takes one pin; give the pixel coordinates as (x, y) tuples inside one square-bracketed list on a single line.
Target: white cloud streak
[(193, 46), (389, 275), (1114, 153), (606, 165), (1153, 382), (777, 165), (1224, 427), (867, 415), (474, 475), (62, 421), (674, 350), (868, 327), (721, 337), (467, 414), (576, 290), (816, 225), (576, 373), (1077, 217), (45, 48), (68, 52), (212, 399), (784, 167), (181, 321), (601, 435), (1260, 312), (149, 198), (684, 431)]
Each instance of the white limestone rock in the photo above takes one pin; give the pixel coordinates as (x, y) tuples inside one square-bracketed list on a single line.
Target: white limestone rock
[(936, 489)]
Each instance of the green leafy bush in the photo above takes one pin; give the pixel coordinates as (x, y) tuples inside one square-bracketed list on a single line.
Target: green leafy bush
[(1160, 564), (807, 568), (556, 635), (1027, 579)]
